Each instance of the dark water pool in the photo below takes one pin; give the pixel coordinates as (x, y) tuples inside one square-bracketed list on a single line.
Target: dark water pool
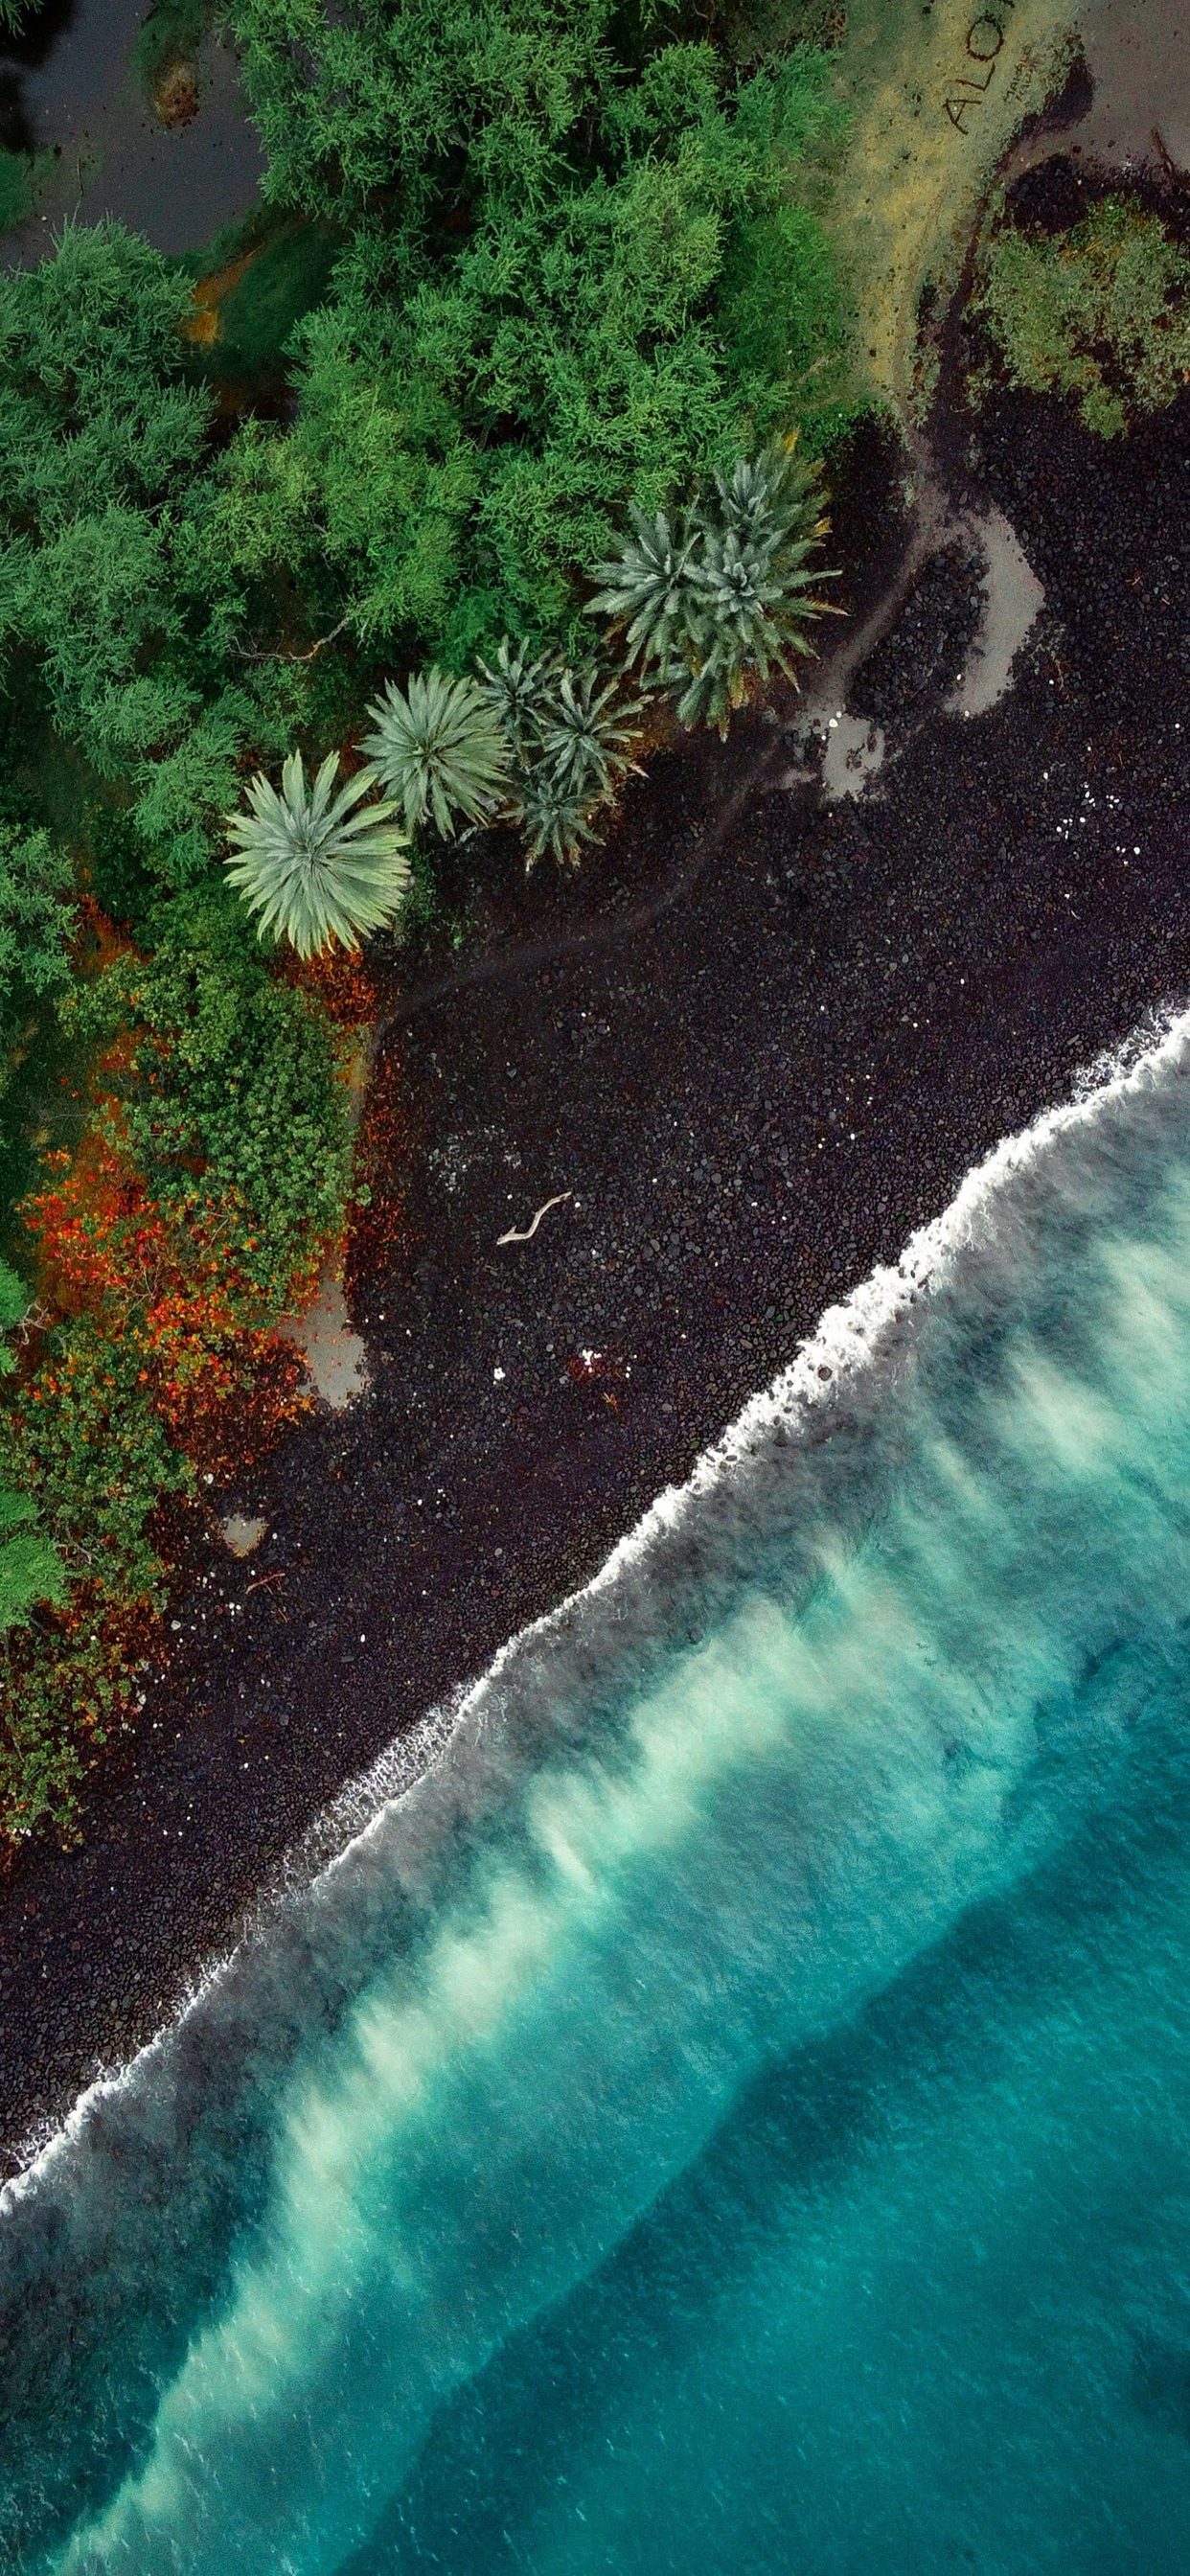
[(70, 88)]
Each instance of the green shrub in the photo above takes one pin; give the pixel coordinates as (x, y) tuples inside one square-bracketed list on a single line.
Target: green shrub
[(102, 582), (86, 1439), (36, 925), (92, 1448), (31, 1569), (231, 1121), (84, 1464), (779, 312), (1101, 312), (235, 1108), (93, 409), (369, 97), (533, 325), (117, 873)]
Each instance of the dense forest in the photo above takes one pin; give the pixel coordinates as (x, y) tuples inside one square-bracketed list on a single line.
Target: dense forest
[(539, 351)]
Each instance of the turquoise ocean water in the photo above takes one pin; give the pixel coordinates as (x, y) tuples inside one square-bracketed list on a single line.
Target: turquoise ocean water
[(734, 2113)]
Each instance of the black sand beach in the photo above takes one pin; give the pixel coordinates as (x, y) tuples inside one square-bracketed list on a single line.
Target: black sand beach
[(750, 1101)]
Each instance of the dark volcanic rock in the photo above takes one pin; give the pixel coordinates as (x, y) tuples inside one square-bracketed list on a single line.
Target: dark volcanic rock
[(923, 657)]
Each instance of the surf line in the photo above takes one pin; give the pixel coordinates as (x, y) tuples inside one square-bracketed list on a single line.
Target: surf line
[(846, 1342), (985, 43)]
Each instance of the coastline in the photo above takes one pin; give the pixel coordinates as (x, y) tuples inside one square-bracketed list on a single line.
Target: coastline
[(753, 1105)]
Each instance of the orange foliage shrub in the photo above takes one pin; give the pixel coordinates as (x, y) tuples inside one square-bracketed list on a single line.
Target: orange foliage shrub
[(338, 979), (167, 1286)]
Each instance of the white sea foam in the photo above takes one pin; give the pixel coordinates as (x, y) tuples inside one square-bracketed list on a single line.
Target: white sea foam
[(851, 1339)]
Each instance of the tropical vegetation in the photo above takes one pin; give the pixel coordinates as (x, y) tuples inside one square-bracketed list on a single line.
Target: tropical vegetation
[(1100, 312), (722, 595), (439, 749), (31, 1570), (531, 279), (316, 867), (37, 922)]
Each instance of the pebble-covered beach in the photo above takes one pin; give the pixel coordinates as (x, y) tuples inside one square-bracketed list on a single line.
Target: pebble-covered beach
[(747, 1103)]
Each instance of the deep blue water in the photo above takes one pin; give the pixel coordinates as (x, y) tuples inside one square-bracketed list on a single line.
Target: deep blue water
[(733, 2114)]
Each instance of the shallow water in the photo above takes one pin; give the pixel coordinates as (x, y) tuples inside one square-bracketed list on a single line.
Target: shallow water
[(733, 2113), (1013, 600), (1138, 55)]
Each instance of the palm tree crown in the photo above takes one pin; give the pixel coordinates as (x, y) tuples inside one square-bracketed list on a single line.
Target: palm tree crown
[(553, 817), (313, 866), (440, 749), (646, 589), (728, 595), (518, 687), (587, 730)]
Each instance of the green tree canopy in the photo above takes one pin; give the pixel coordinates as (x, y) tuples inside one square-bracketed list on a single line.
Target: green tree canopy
[(36, 922), (31, 1569), (555, 314)]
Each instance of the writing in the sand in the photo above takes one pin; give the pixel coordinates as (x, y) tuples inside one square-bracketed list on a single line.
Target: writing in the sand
[(985, 43)]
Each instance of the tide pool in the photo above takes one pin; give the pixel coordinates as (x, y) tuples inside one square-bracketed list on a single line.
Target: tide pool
[(732, 2113)]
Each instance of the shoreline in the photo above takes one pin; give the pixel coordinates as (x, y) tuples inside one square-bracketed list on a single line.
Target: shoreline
[(859, 1337), (754, 1104), (838, 1379)]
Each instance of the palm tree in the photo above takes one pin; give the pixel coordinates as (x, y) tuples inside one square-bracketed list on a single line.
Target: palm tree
[(728, 598), (586, 731), (646, 591), (518, 688), (440, 749), (316, 868), (552, 816), (752, 616)]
